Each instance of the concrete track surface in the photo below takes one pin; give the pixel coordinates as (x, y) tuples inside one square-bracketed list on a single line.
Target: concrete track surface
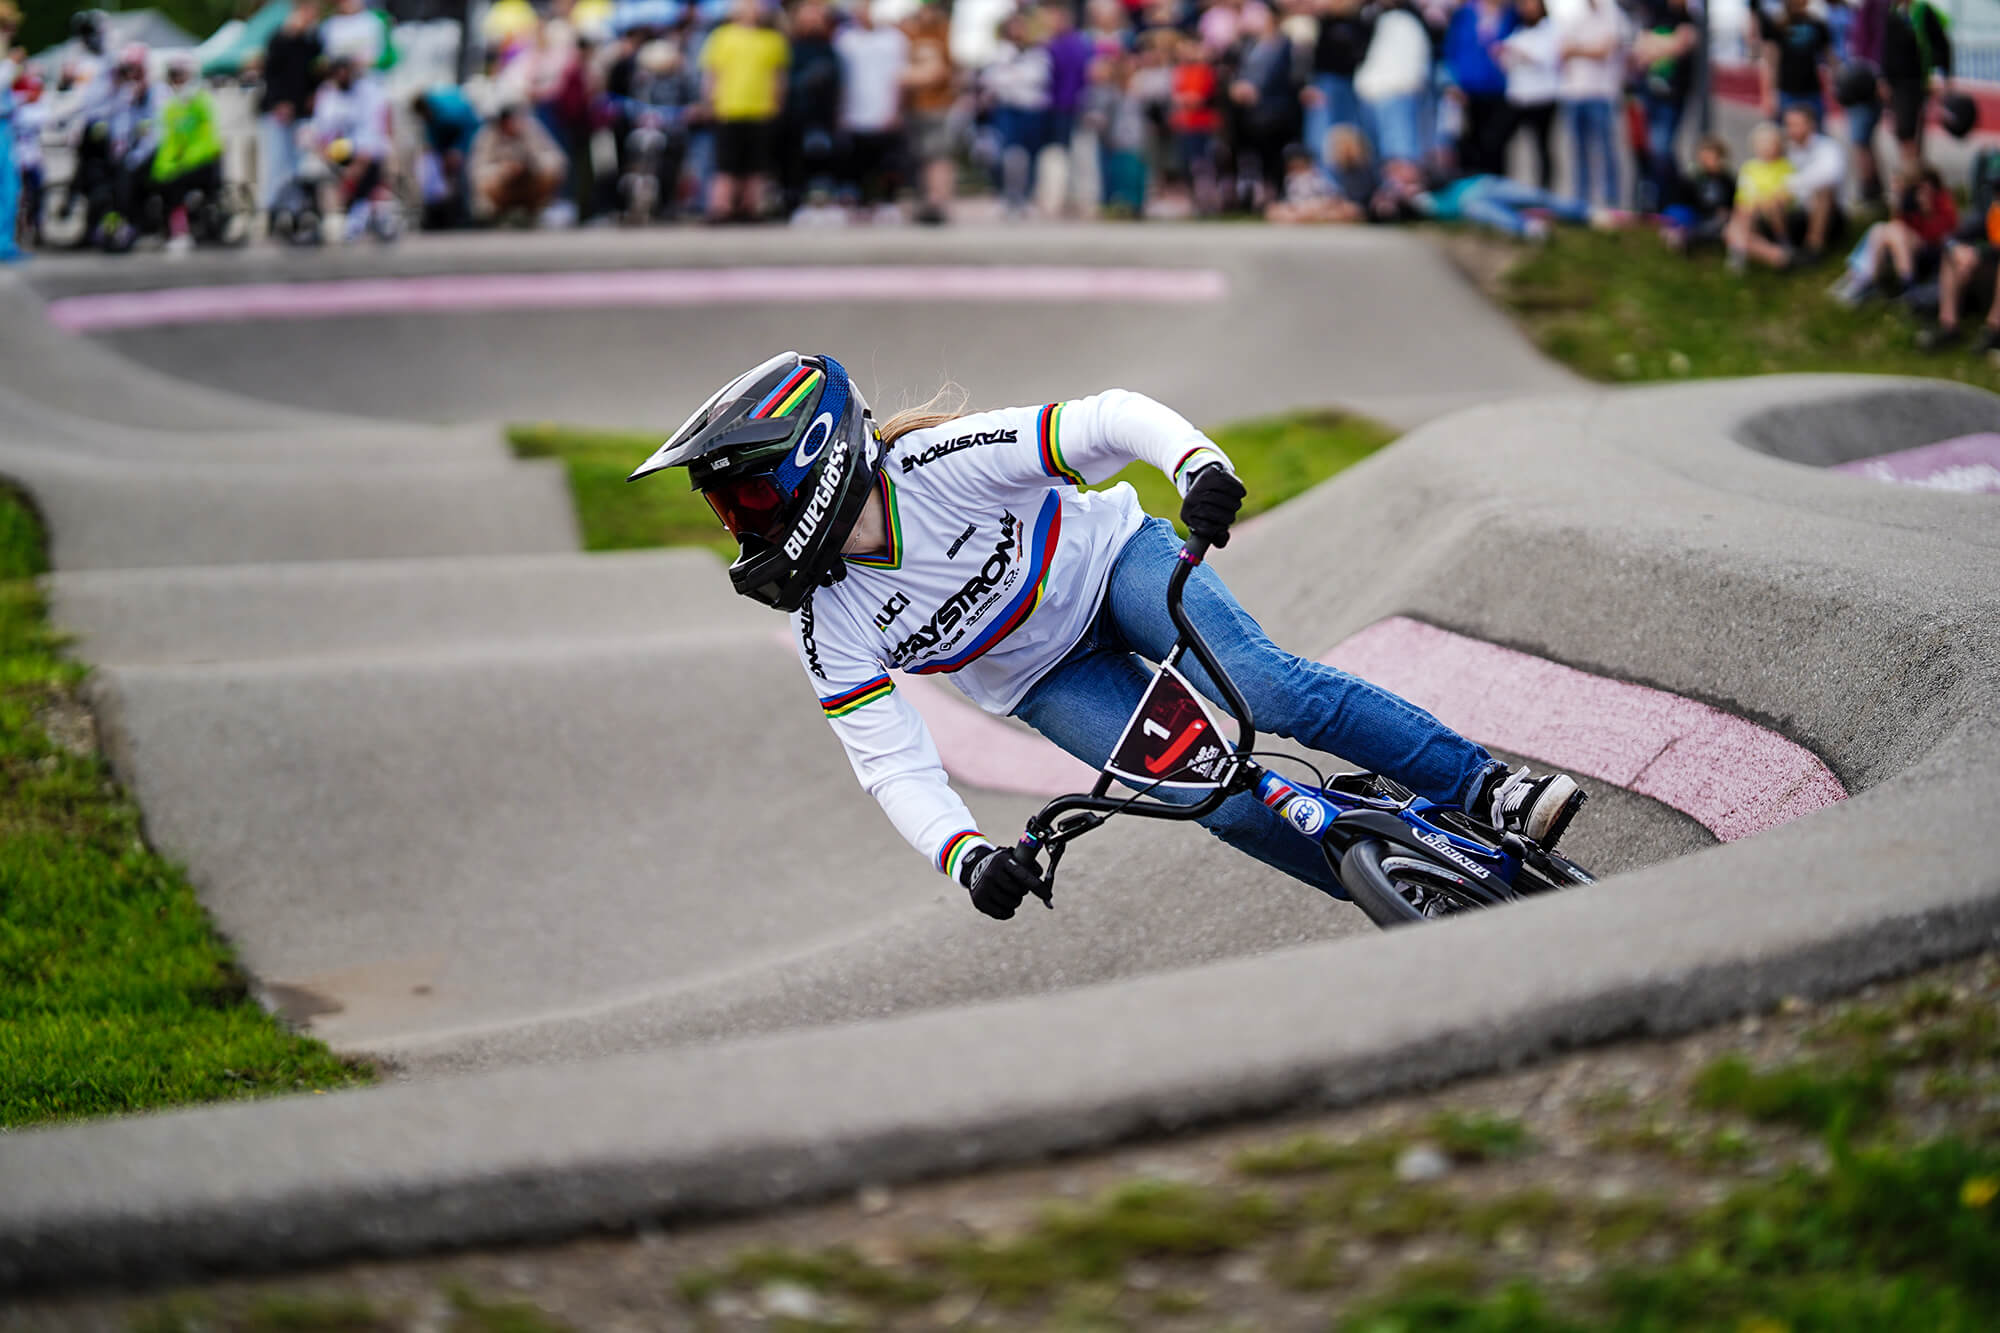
[(561, 833)]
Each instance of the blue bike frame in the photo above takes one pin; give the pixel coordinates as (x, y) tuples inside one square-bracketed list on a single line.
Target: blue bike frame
[(1472, 861)]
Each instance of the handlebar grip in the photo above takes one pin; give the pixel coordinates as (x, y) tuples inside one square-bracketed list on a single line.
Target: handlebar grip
[(1025, 854), (1195, 550)]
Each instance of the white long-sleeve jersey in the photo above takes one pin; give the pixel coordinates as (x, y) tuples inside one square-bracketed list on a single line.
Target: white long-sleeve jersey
[(997, 563)]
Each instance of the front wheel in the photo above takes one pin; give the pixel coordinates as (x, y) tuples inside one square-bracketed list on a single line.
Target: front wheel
[(1395, 888)]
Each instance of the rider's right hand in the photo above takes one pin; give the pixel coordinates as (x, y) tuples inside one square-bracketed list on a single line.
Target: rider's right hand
[(999, 882)]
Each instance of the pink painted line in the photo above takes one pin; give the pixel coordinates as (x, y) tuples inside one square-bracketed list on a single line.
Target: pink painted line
[(1970, 463), (671, 287), (1733, 776)]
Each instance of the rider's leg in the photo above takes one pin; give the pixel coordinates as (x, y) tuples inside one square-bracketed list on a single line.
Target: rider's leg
[(1082, 703), (1306, 701)]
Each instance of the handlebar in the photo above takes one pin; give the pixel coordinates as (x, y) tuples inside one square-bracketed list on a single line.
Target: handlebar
[(1049, 828)]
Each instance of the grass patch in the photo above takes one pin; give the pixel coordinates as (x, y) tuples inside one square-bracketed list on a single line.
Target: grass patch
[(115, 992), (1277, 457), (1620, 306), (1480, 1138), (1808, 1095)]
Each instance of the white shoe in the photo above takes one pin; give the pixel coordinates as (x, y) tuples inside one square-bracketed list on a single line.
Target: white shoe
[(1539, 809)]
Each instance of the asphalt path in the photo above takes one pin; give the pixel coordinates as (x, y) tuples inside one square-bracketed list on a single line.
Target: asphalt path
[(472, 801)]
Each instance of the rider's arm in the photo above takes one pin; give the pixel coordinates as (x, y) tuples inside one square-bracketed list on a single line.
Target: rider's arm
[(888, 746), (1080, 442)]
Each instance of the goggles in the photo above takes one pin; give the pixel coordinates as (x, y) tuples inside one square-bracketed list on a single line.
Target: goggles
[(749, 506)]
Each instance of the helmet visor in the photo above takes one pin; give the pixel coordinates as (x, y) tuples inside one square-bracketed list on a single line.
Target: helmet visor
[(748, 506)]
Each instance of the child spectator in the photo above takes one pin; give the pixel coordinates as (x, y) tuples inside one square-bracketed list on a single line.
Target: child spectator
[(1519, 210), (1756, 227), (30, 117), (744, 61), (1354, 174), (1913, 240), (1194, 121), (189, 157), (1114, 113), (1700, 215), (350, 128), (1308, 196), (1532, 57)]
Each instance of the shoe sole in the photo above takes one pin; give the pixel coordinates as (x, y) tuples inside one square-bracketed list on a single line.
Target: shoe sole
[(1566, 798)]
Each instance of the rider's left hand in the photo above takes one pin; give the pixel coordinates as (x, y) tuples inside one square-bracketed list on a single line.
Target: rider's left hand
[(1213, 498)]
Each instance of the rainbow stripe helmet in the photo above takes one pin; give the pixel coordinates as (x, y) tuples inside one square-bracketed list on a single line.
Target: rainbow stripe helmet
[(786, 455)]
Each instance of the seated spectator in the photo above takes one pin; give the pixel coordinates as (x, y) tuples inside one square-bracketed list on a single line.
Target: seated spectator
[(1707, 195), (350, 130), (1819, 169), (449, 126), (1519, 210), (1309, 196), (516, 168), (1354, 174), (189, 157), (1968, 262), (1757, 224), (1913, 241)]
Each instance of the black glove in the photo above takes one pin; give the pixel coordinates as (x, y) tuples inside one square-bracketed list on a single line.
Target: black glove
[(999, 882), (1212, 501)]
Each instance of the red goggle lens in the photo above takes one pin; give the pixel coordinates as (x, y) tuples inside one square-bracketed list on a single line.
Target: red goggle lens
[(749, 506)]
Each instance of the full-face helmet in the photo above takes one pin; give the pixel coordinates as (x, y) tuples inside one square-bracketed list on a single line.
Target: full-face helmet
[(786, 455)]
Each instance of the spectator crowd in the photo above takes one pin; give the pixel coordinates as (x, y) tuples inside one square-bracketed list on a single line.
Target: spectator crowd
[(824, 113)]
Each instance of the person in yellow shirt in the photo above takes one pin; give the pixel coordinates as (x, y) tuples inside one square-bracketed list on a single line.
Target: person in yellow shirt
[(743, 85), (1763, 196)]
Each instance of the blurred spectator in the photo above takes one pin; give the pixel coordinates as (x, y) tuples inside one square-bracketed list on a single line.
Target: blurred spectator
[(124, 139), (1665, 52), (1109, 29), (1912, 242), (1471, 55), (290, 73), (1393, 82), (516, 168), (356, 31), (1267, 95), (1819, 169), (1797, 55), (1592, 42), (189, 156), (873, 58), (1070, 54), (744, 63), (10, 200), (1354, 173), (1532, 58), (450, 124), (1117, 116), (1017, 82), (1308, 195), (1700, 214), (652, 95), (350, 130), (557, 85), (1194, 121), (1861, 82), (31, 116), (1338, 49), (816, 90), (1758, 223), (930, 85), (1914, 44)]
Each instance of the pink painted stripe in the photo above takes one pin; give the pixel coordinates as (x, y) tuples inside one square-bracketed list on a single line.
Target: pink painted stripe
[(1969, 463), (668, 287), (1733, 776)]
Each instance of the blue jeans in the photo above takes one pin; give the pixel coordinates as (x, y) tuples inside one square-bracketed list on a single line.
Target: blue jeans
[(1338, 106), (1661, 171), (1022, 132), (1396, 124), (1590, 136), (277, 158), (1496, 201), (1083, 701)]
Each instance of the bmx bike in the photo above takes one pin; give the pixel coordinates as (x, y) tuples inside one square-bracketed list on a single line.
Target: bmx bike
[(1400, 857)]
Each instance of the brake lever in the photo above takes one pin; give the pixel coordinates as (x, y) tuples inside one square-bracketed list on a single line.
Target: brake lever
[(1025, 852)]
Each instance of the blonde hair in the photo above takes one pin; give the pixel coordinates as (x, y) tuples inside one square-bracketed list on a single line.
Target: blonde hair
[(947, 404)]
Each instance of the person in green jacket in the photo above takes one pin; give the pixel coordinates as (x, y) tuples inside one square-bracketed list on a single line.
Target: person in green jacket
[(189, 157)]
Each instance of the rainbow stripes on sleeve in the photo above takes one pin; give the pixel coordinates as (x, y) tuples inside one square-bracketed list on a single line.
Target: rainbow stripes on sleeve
[(1048, 433), (840, 705), (955, 847), (1193, 461)]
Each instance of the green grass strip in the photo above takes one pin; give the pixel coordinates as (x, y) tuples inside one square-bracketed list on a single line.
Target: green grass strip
[(1277, 458), (1620, 306), (116, 994)]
